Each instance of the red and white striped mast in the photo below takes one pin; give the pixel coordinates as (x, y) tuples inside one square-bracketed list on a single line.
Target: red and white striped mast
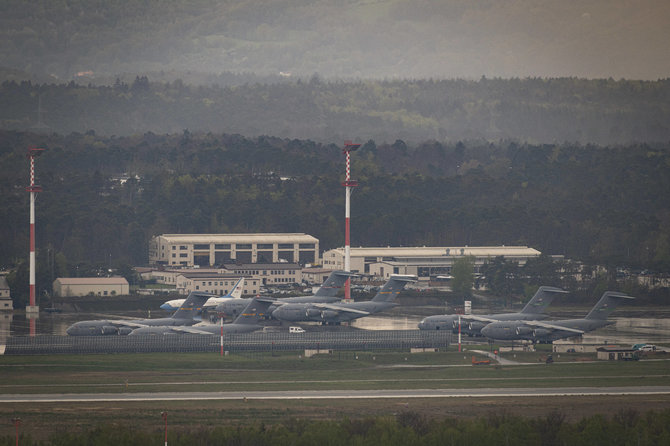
[(33, 189), (348, 184)]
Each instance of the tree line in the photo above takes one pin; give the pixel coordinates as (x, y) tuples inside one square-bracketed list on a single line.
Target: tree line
[(533, 110)]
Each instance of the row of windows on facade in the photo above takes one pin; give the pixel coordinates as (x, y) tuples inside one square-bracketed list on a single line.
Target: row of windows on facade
[(246, 246), (219, 292), (223, 283), (276, 272)]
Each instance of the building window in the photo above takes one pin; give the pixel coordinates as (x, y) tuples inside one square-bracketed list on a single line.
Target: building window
[(243, 246), (286, 246), (264, 246), (201, 246), (307, 246), (222, 246), (183, 247), (183, 254)]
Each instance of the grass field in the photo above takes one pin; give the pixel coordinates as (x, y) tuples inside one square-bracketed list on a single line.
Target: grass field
[(344, 370)]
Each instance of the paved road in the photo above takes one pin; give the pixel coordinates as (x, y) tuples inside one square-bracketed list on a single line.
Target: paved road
[(337, 394)]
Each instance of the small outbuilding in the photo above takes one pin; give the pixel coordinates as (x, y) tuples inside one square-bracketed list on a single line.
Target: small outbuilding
[(5, 297), (617, 354), (94, 286)]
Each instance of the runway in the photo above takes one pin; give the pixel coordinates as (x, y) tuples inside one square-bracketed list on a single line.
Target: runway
[(337, 394)]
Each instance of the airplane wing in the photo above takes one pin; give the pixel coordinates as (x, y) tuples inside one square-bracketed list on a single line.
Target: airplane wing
[(126, 323), (552, 326), (472, 317), (340, 308), (192, 330)]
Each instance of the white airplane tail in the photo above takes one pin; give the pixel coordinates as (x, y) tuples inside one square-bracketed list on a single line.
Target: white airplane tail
[(236, 291)]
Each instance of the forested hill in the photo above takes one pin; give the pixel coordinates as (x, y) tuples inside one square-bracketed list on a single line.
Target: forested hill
[(598, 204), (528, 110), (343, 39)]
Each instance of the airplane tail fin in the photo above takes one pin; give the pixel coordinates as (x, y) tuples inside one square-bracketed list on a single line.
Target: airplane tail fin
[(609, 301), (392, 288), (192, 306), (542, 299), (236, 291), (333, 283), (257, 308)]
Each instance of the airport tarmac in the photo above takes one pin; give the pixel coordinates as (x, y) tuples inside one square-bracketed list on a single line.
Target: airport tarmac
[(625, 330), (337, 394)]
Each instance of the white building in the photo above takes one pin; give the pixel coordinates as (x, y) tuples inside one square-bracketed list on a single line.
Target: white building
[(217, 249), (424, 261), (96, 286), (269, 274), (219, 280), (215, 283)]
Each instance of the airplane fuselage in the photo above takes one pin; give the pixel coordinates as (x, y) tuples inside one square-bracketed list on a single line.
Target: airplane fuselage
[(334, 313), (469, 326), (517, 330), (119, 327)]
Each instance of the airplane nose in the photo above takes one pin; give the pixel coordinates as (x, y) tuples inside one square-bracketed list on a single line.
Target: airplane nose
[(422, 325), (485, 331), (165, 307), (277, 313)]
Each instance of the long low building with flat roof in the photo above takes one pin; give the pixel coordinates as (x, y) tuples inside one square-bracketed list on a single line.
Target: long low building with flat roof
[(421, 261), (96, 286), (188, 250)]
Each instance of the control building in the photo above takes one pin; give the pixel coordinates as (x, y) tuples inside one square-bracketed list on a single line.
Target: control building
[(188, 250), (424, 262)]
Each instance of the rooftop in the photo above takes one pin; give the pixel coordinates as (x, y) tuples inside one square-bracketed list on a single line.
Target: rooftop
[(92, 280), (453, 251), (233, 238)]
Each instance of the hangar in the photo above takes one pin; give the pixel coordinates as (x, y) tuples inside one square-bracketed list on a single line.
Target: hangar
[(423, 262), (217, 249)]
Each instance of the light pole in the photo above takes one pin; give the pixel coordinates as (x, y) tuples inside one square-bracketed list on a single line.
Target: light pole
[(17, 423), (348, 185), (164, 415), (221, 323)]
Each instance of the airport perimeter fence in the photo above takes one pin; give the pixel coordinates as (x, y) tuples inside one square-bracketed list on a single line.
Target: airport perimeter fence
[(250, 342)]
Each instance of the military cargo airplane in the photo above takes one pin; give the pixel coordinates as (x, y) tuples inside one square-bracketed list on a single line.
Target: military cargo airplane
[(329, 313), (326, 293), (548, 331), (186, 315), (212, 302), (472, 324), (246, 322)]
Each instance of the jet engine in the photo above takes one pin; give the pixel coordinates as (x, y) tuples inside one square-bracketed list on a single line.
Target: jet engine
[(109, 330), (541, 333), (476, 326), (125, 331), (522, 330), (328, 314), (312, 313)]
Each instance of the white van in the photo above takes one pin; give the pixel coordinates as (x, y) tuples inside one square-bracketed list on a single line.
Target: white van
[(296, 330)]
